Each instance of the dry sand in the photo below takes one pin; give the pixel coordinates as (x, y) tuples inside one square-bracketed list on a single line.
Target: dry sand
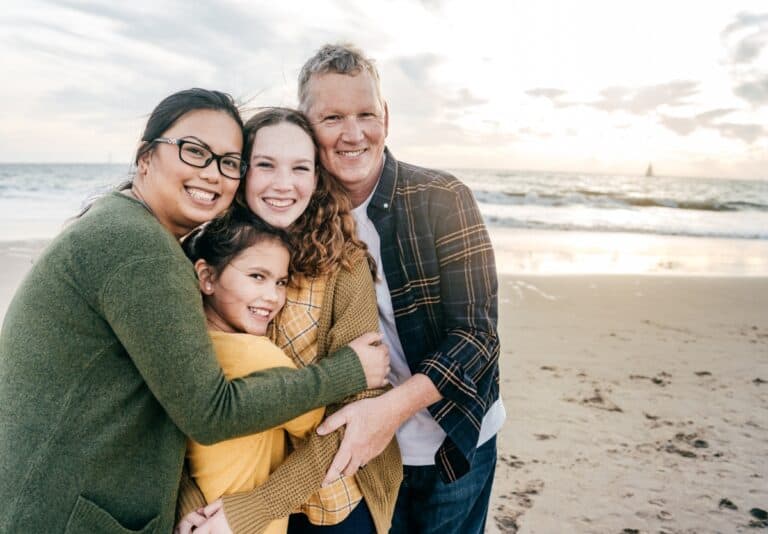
[(636, 403)]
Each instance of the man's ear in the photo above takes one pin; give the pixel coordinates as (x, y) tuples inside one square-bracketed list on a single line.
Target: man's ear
[(386, 119), (205, 277)]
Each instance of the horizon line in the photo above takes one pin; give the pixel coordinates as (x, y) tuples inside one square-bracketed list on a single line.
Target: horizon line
[(500, 169)]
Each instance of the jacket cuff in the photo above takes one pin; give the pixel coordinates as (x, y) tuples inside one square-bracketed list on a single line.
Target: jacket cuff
[(245, 514), (345, 371)]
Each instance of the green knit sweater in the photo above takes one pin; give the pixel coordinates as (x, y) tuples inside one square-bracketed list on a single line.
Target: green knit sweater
[(106, 365)]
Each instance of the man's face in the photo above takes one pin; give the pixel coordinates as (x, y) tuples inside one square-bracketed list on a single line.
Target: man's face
[(350, 122)]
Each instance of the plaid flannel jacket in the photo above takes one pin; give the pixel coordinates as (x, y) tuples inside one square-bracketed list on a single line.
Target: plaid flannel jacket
[(439, 265)]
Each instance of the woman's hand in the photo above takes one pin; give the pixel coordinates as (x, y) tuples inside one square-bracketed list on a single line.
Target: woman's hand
[(190, 522), (208, 520), (374, 357)]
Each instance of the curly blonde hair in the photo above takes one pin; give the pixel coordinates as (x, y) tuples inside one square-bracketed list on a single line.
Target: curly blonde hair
[(324, 236)]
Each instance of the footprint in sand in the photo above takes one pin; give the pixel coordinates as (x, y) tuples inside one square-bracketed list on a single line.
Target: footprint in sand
[(692, 440), (515, 505), (512, 461), (661, 379), (601, 403), (506, 522)]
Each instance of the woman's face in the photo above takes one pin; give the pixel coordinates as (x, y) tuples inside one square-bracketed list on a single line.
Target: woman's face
[(182, 196), (281, 174)]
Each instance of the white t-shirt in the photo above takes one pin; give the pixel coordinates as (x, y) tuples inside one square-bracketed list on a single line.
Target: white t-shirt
[(420, 436)]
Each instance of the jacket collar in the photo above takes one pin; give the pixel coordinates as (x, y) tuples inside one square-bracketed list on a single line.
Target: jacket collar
[(384, 193)]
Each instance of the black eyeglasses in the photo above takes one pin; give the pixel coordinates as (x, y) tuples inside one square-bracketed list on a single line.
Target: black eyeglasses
[(197, 155)]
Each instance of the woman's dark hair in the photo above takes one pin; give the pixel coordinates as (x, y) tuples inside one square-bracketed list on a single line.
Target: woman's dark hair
[(173, 107), (165, 115), (324, 236), (220, 240)]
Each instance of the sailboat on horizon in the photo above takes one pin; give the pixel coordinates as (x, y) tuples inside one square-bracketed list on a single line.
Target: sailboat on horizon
[(649, 171)]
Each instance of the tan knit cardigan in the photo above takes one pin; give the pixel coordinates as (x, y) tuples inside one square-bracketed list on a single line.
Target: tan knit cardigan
[(349, 309)]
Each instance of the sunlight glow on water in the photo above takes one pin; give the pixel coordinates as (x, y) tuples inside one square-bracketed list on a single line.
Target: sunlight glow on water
[(561, 252)]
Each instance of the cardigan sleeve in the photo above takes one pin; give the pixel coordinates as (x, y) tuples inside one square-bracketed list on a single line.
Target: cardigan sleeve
[(153, 306), (354, 311)]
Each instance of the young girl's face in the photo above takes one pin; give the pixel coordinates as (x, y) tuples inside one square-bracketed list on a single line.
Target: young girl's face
[(281, 175), (247, 294)]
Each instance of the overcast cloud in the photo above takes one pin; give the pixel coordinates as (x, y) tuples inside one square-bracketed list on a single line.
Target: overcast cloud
[(507, 85)]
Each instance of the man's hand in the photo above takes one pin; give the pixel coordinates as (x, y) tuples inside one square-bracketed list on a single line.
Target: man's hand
[(371, 425)]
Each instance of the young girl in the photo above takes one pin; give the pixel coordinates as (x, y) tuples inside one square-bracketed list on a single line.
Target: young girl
[(242, 268), (105, 362), (331, 301)]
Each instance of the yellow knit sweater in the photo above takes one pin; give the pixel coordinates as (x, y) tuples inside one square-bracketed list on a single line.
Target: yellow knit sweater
[(349, 309), (241, 464)]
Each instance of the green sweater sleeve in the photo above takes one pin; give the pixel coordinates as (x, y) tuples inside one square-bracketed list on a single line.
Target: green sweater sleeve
[(153, 306)]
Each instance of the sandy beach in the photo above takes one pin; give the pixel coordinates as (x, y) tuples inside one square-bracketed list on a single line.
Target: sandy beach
[(636, 402)]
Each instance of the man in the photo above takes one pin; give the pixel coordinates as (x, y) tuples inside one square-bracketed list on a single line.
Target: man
[(437, 297)]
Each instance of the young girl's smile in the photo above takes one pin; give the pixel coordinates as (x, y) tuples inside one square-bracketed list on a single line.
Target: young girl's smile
[(249, 291)]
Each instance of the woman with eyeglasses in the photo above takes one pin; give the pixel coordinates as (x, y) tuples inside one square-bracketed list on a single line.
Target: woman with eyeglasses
[(106, 365)]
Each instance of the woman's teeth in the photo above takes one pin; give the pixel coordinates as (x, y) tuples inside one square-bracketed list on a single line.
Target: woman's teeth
[(199, 194), (279, 202)]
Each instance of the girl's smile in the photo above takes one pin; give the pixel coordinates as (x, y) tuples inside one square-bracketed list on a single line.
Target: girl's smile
[(249, 292)]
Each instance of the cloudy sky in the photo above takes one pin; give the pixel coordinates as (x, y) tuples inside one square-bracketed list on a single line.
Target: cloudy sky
[(592, 86)]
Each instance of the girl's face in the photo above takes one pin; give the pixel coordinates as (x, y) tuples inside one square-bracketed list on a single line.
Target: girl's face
[(182, 196), (247, 294), (281, 175)]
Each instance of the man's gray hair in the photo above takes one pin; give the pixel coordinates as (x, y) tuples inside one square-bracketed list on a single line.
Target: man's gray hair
[(340, 58)]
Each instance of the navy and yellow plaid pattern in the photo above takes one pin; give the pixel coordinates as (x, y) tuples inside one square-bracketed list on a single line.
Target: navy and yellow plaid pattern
[(440, 268)]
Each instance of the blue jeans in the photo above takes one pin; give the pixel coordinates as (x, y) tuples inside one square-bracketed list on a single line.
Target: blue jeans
[(359, 521), (428, 505)]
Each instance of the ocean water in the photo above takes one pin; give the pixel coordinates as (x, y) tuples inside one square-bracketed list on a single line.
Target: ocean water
[(36, 199), (696, 207)]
